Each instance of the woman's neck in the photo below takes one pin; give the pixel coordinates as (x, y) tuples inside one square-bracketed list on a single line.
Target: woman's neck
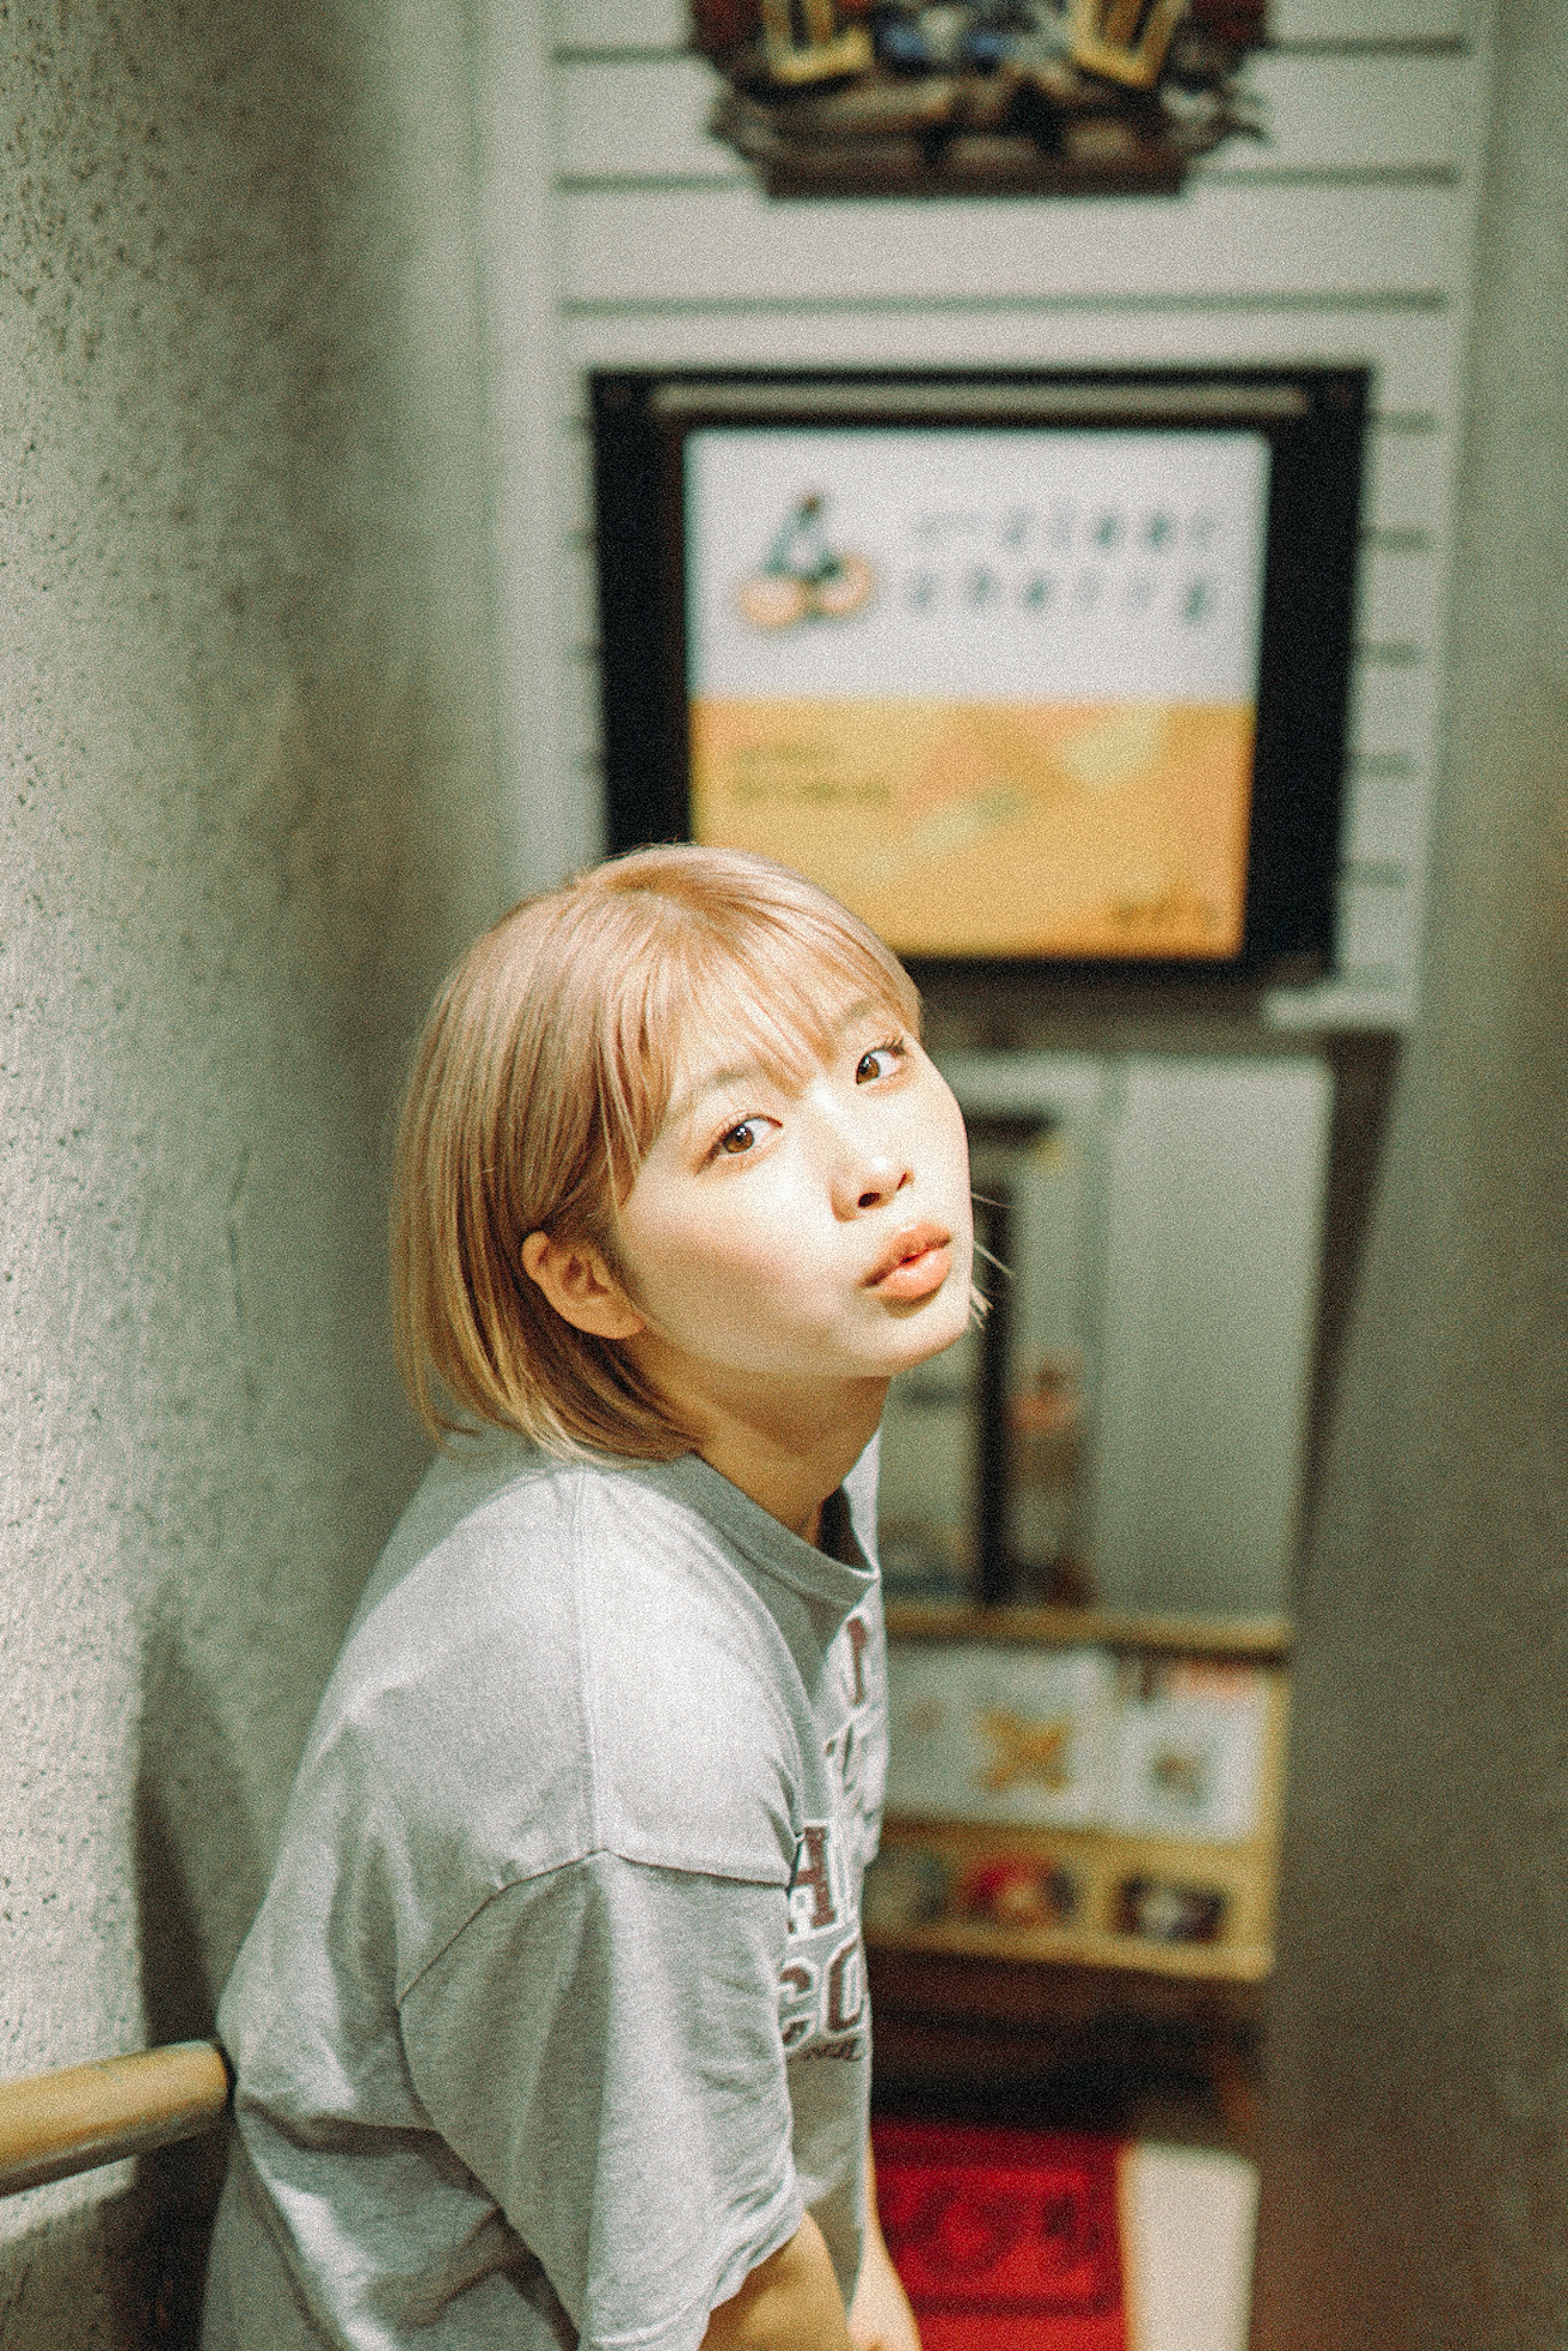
[(790, 1456)]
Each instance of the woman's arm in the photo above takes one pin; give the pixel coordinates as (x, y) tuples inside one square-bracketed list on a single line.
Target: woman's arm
[(790, 2303), (881, 2318)]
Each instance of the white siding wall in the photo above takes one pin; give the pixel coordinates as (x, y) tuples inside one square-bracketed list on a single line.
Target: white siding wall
[(1346, 238)]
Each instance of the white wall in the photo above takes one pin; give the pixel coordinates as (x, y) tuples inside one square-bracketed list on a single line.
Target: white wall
[(1346, 238)]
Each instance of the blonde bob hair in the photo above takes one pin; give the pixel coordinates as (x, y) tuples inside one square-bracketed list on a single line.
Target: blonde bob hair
[(542, 1079)]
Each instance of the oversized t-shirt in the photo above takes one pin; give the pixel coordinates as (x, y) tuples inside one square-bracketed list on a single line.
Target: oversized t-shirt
[(553, 2022)]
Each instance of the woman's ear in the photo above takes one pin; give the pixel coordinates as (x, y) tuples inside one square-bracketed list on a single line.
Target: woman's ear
[(580, 1287)]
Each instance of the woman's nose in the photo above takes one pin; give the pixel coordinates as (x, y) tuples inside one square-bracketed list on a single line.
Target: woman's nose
[(868, 1178)]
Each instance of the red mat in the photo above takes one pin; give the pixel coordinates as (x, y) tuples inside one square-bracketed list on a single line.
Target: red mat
[(1005, 2240)]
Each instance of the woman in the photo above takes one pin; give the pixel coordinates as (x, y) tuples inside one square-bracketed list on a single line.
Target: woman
[(552, 2028)]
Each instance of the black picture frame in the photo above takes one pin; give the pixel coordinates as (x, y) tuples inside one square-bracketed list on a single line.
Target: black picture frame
[(1313, 418)]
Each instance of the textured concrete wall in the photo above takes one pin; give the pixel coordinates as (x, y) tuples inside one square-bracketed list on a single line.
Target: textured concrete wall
[(246, 810), (1415, 2189)]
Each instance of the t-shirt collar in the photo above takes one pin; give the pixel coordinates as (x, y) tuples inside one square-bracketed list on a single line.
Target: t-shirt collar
[(764, 1539)]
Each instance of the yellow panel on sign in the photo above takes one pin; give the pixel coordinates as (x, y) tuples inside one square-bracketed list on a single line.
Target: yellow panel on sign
[(994, 828)]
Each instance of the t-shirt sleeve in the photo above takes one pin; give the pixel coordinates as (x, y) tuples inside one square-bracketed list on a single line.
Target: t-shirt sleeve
[(602, 2047)]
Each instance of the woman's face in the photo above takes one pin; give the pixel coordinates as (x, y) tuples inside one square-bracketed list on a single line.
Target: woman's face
[(801, 1235)]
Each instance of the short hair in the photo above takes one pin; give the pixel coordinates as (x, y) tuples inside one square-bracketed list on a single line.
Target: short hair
[(542, 1079)]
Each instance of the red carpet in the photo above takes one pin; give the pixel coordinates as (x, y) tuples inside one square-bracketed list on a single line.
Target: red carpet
[(1005, 2240)]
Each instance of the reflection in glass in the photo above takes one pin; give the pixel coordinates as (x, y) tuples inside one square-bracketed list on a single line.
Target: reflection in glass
[(983, 1450)]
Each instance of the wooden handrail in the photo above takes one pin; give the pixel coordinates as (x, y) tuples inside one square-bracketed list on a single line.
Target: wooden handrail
[(54, 2123)]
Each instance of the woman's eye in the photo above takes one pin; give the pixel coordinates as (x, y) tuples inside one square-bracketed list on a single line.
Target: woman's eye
[(880, 1062), (744, 1137)]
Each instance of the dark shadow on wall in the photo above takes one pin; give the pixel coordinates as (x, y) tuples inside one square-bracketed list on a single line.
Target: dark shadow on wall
[(130, 2270), (1365, 1069), (62, 2279), (188, 1788)]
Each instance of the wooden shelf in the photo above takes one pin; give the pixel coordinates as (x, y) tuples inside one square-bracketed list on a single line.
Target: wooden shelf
[(991, 1993), (1262, 1640), (1100, 1861), (977, 1939), (974, 165)]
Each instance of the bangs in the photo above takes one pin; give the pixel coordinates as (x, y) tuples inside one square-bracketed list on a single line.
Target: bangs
[(770, 981)]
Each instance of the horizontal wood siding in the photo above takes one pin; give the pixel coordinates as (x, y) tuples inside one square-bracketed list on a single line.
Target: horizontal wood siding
[(1344, 235), (634, 24), (633, 247), (644, 119)]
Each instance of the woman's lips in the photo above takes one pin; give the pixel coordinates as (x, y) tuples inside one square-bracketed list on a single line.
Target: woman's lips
[(915, 1264)]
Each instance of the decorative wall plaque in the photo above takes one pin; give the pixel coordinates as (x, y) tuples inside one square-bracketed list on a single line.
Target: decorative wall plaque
[(978, 97)]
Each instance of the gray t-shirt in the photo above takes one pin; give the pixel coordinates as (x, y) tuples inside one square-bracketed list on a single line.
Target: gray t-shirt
[(553, 2020)]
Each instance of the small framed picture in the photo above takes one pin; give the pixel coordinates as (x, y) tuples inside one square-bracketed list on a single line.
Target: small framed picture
[(1166, 1913), (989, 1733)]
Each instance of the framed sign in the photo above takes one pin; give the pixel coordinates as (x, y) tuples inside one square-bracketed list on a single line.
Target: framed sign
[(1023, 668)]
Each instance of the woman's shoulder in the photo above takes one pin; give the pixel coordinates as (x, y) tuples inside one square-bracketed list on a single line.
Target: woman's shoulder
[(509, 1542), (550, 1665), (561, 1657), (464, 1486)]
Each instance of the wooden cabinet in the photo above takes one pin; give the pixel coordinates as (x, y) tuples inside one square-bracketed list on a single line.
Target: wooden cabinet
[(1009, 1944)]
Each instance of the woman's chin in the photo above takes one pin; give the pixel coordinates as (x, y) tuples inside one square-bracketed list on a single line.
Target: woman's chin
[(929, 1326)]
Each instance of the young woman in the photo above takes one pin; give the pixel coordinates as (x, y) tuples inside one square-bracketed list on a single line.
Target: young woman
[(552, 2028)]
